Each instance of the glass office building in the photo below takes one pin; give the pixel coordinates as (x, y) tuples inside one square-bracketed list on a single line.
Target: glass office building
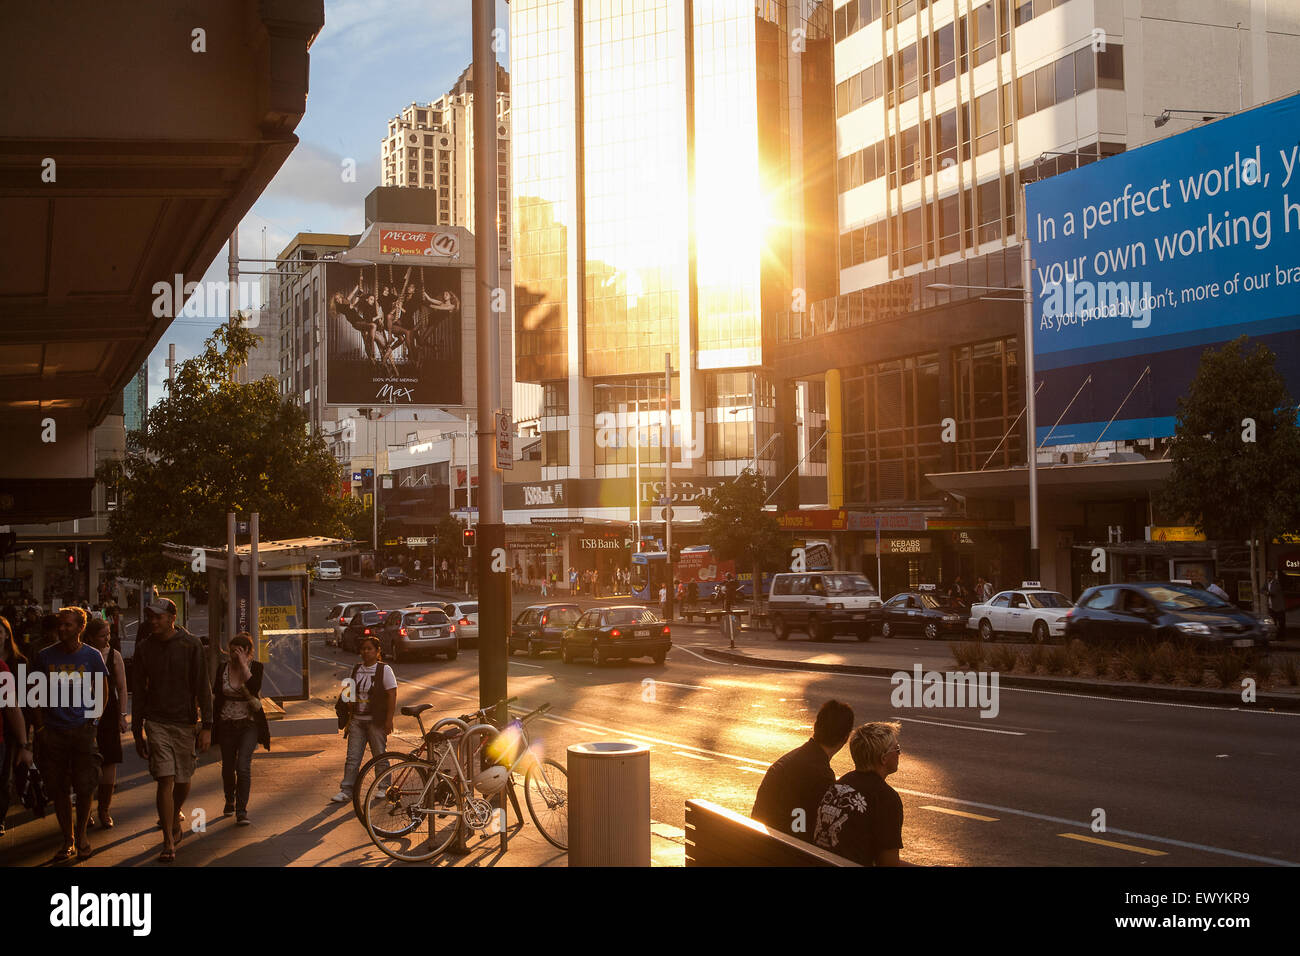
[(664, 205)]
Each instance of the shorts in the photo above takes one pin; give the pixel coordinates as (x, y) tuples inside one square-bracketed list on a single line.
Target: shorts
[(70, 758), (171, 750)]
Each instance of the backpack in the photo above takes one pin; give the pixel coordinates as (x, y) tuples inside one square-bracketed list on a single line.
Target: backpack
[(343, 708)]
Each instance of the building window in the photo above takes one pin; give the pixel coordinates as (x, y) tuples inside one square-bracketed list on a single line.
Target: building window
[(555, 399), (1110, 68), (555, 448), (988, 383)]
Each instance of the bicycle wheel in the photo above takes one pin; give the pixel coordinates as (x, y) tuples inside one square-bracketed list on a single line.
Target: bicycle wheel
[(365, 776), (412, 811), (546, 791)]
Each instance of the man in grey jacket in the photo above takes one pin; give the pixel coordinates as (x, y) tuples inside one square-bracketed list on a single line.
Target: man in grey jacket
[(171, 691), (1277, 603)]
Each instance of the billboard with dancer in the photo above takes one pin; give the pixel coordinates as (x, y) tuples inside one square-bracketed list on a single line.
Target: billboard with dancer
[(393, 335)]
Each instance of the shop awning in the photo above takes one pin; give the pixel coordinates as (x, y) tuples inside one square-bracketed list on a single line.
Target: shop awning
[(1099, 480)]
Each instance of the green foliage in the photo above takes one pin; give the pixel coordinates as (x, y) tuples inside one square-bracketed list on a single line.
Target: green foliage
[(450, 544), (212, 446), (738, 529), (358, 522), (1227, 486)]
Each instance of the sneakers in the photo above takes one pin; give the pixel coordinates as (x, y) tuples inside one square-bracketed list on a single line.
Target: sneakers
[(241, 819), (341, 797), (229, 808)]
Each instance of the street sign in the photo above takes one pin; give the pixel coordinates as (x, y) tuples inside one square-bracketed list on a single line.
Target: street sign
[(561, 520), (668, 514), (356, 476), (241, 527), (417, 542), (505, 442)]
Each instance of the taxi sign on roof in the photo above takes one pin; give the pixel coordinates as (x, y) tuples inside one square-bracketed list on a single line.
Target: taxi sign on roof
[(926, 587), (1031, 584)]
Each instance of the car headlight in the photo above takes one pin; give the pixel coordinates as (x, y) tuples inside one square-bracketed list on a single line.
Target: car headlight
[(835, 607), (1191, 627), (1268, 626)]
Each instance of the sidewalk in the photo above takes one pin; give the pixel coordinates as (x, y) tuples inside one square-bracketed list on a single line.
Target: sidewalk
[(885, 657), (292, 821)]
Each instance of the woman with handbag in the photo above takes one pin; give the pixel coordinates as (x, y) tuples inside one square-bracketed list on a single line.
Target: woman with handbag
[(239, 723)]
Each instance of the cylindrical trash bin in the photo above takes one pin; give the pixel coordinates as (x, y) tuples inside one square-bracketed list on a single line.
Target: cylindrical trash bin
[(609, 804)]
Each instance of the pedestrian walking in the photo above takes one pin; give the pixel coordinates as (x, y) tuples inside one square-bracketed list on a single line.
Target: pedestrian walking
[(1277, 603), (663, 601), (861, 816), (573, 579), (171, 694), (14, 744), (238, 722), (112, 723), (67, 740), (369, 715), (792, 789), (983, 591)]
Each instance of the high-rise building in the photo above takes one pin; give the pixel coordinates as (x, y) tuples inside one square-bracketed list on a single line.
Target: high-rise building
[(431, 146), (135, 400), (673, 192), (944, 109)]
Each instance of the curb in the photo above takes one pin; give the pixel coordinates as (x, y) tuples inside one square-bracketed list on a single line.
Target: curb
[(1142, 692)]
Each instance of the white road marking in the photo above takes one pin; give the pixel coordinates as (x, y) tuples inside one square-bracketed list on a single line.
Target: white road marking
[(1087, 824), (657, 740), (521, 664), (752, 769), (686, 753), (987, 730), (668, 683)]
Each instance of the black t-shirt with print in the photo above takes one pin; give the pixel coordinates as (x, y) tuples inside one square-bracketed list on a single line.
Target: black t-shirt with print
[(860, 816)]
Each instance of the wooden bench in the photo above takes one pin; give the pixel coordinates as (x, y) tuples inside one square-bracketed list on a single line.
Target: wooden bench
[(716, 836)]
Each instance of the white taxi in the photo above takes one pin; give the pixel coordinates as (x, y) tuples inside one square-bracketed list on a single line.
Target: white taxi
[(1029, 611)]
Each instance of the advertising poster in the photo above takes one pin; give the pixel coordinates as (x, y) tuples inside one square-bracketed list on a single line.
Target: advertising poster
[(282, 642), (1144, 260), (393, 335)]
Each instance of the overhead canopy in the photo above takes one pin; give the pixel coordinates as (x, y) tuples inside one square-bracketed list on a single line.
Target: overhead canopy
[(271, 555), (1092, 481)]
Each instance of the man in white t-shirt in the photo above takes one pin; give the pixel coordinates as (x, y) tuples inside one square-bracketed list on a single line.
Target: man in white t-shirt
[(371, 710)]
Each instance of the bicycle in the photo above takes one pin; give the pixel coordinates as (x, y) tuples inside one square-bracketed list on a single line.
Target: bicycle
[(414, 809), (435, 737)]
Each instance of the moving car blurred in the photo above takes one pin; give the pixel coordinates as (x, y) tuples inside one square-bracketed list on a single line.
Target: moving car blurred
[(408, 632), (340, 615), (1163, 611), (464, 614), (1028, 611), (823, 603), (363, 623), (924, 611), (541, 627), (621, 632), (393, 576)]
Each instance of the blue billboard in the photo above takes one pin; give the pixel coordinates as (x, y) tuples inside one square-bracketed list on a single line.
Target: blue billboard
[(1143, 260)]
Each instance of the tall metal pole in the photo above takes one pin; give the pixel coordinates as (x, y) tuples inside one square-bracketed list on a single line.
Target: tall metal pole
[(668, 479), (254, 605), (231, 571), (1031, 417), (494, 585), (374, 481), (636, 493)]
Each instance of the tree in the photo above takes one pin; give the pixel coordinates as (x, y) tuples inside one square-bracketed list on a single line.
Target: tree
[(450, 546), (738, 529), (211, 446), (359, 521), (1236, 451)]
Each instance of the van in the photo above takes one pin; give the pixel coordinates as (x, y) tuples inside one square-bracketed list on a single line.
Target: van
[(823, 604)]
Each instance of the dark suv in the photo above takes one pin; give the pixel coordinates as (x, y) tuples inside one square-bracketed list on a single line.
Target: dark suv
[(363, 624), (1158, 611), (541, 627)]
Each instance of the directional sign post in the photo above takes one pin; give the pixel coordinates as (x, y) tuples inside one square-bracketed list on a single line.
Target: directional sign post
[(505, 444)]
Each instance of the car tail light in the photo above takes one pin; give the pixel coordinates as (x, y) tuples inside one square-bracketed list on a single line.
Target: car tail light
[(343, 620), (666, 631), (615, 633), (402, 632), (367, 631), (1069, 614), (451, 629), (463, 621)]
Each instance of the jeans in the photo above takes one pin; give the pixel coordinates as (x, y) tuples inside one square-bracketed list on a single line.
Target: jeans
[(238, 740), (361, 732), (4, 781)]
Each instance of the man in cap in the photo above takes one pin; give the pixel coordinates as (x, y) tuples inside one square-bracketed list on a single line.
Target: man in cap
[(172, 692)]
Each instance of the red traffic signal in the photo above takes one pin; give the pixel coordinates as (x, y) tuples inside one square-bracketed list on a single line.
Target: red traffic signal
[(469, 537)]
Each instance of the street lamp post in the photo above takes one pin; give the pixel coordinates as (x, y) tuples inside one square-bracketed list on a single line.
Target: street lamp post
[(668, 483)]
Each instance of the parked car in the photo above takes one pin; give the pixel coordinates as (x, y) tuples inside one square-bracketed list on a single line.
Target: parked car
[(393, 576), (1028, 611), (621, 632), (924, 611), (329, 570), (541, 627), (464, 614), (823, 604), (408, 632), (1159, 611), (340, 615), (362, 624)]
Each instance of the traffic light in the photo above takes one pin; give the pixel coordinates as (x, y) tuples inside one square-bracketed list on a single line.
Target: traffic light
[(72, 558), (469, 537)]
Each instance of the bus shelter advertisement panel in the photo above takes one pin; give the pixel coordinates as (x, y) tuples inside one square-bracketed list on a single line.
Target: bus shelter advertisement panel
[(393, 335), (1143, 260)]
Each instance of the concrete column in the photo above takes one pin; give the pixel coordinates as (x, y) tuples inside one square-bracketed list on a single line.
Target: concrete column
[(834, 439)]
